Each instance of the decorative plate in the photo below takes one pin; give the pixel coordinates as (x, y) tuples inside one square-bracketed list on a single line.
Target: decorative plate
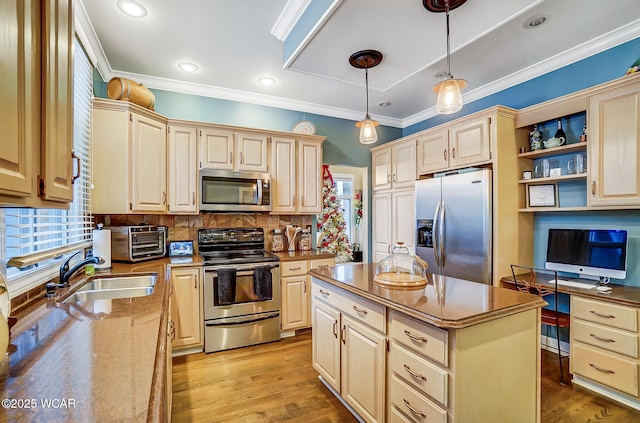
[(5, 302), (304, 127)]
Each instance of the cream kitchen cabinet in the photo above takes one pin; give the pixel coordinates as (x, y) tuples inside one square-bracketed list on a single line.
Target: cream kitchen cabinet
[(393, 221), (182, 169), (129, 167), (296, 175), (614, 150), (349, 348), (36, 105), (229, 150), (394, 166), (463, 144), (186, 307), (296, 292)]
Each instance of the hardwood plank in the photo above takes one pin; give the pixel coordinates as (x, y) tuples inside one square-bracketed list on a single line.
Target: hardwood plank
[(275, 382)]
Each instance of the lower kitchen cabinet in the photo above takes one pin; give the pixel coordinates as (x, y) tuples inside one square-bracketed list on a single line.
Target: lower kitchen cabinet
[(186, 307)]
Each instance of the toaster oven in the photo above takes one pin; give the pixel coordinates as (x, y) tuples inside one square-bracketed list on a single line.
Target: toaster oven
[(138, 243)]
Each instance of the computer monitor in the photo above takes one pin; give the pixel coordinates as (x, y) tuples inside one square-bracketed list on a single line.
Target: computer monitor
[(592, 253)]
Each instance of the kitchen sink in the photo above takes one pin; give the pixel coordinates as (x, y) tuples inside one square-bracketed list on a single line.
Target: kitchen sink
[(110, 288)]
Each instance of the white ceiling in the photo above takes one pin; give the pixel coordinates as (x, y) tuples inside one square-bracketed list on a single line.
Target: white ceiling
[(232, 44)]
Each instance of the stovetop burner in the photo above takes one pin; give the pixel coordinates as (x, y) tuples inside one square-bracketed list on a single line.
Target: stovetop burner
[(229, 246)]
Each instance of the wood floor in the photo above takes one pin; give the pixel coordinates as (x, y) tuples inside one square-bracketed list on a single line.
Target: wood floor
[(275, 383)]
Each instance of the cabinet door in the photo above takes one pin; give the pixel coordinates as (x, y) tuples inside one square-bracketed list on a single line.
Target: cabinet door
[(326, 343), (309, 198), (363, 370), (57, 89), (295, 302), (251, 152), (404, 164), (382, 225), (185, 307), (216, 149), (404, 222), (432, 152), (20, 99), (381, 169), (183, 171), (148, 164), (470, 143), (283, 175), (614, 155)]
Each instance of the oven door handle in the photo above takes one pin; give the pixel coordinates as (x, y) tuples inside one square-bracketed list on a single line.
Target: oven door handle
[(238, 273), (242, 319)]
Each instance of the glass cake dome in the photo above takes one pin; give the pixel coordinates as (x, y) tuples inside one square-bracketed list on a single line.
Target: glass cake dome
[(401, 268)]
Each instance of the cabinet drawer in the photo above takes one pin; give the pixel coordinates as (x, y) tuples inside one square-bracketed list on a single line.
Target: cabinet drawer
[(293, 268), (426, 339), (360, 309), (605, 368), (614, 315), (419, 373), (330, 262), (606, 337), (414, 405)]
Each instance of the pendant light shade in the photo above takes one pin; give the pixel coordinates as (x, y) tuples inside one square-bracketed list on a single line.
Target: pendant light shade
[(366, 59)]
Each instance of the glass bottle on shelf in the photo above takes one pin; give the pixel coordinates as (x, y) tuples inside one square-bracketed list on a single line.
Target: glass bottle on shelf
[(583, 136), (560, 132), (535, 139)]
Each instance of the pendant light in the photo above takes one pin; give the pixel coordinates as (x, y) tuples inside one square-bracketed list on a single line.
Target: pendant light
[(366, 59), (449, 90)]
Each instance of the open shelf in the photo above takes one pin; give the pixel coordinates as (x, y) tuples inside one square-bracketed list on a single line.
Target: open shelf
[(563, 149), (538, 181), (551, 209)]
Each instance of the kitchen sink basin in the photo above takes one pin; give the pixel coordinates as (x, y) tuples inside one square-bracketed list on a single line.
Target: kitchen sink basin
[(110, 288)]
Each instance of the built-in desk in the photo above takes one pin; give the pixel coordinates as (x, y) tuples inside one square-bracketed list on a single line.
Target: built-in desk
[(605, 340)]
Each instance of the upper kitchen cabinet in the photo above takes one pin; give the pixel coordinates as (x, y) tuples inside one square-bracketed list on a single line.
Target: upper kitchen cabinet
[(465, 143), (36, 52), (614, 153), (182, 169), (296, 175), (230, 150), (394, 165), (129, 167)]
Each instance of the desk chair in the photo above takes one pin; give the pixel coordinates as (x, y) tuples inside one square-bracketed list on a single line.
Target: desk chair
[(532, 280)]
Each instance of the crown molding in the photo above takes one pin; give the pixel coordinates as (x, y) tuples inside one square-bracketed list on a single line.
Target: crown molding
[(288, 18)]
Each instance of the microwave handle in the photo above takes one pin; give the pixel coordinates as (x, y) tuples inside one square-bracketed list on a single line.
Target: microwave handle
[(259, 193)]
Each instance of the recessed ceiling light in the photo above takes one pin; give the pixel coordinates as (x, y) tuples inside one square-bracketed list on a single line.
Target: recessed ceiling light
[(132, 8), (384, 104), (188, 67), (534, 21), (266, 81)]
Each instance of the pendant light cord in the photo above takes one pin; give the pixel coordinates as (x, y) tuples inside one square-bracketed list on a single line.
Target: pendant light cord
[(366, 83), (446, 8)]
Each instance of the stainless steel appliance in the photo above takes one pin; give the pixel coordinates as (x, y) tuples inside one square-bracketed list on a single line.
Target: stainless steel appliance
[(223, 190), (454, 224), (241, 288), (137, 243)]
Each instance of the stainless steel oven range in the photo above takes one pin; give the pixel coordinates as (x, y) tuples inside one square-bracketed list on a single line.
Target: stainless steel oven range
[(241, 288)]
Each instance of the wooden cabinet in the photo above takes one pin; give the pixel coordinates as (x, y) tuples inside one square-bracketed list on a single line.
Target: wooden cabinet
[(614, 148), (36, 106), (129, 167), (228, 150), (186, 307), (393, 221), (296, 176), (394, 166), (168, 393), (349, 348), (463, 144), (604, 348), (182, 169)]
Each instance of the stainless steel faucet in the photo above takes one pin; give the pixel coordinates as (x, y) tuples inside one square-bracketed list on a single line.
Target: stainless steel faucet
[(66, 273)]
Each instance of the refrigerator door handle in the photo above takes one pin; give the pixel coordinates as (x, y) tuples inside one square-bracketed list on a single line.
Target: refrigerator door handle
[(435, 234), (441, 235)]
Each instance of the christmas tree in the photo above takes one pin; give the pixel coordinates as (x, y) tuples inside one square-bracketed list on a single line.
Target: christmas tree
[(330, 224)]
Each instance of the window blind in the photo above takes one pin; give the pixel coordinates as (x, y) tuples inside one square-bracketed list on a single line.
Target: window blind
[(35, 236)]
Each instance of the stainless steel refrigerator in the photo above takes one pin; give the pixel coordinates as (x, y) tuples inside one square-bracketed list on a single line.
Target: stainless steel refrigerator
[(453, 215)]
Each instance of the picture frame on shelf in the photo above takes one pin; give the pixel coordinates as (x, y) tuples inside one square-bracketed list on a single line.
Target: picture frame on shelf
[(544, 195)]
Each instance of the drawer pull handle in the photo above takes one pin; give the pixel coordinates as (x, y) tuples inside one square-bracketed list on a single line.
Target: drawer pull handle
[(360, 310), (324, 292), (413, 410), (415, 338), (294, 268), (604, 316), (414, 374), (601, 370), (602, 339)]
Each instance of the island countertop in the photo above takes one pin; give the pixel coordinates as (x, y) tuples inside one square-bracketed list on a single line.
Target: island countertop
[(444, 302)]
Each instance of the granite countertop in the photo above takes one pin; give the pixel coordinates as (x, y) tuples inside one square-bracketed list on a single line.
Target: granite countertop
[(444, 302), (302, 255), (93, 361)]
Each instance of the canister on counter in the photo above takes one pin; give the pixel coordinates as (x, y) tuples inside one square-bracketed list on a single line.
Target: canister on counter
[(278, 241), (304, 243)]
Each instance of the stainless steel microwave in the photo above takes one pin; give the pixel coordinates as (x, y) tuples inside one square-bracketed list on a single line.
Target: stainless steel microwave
[(224, 190)]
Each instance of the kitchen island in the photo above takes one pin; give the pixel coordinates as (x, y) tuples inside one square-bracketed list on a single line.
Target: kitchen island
[(452, 351)]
